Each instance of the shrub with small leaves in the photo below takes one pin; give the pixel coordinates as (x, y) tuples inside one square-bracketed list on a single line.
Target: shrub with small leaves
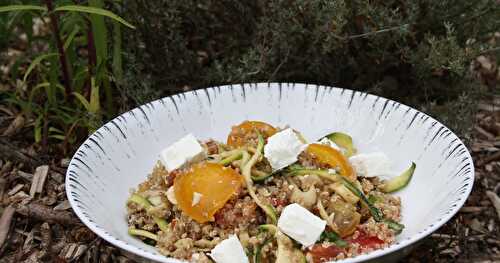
[(417, 52)]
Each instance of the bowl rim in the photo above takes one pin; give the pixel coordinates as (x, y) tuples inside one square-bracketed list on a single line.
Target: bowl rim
[(101, 232)]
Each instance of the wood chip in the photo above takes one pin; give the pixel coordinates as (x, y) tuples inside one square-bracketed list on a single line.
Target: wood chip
[(19, 197), (495, 200), (487, 135), (65, 162), (15, 189), (491, 158), (81, 249), (488, 107), (39, 180), (477, 226), (3, 183), (15, 125), (59, 178), (64, 205), (26, 176), (471, 209), (46, 235), (29, 239), (444, 236), (69, 251), (5, 221)]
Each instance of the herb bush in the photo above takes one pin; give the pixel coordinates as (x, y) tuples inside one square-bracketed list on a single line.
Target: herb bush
[(418, 52)]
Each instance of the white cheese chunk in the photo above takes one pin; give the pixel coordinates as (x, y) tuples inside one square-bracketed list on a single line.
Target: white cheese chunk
[(330, 143), (229, 251), (171, 195), (283, 148), (196, 198), (300, 224), (184, 151), (371, 164)]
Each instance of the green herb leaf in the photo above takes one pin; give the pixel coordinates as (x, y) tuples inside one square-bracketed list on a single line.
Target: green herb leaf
[(35, 63), (333, 237), (82, 100), (375, 212), (94, 10), (22, 8), (397, 227)]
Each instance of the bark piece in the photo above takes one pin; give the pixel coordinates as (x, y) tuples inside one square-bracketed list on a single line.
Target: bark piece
[(39, 178), (15, 189), (47, 214), (12, 152), (64, 205), (15, 125), (5, 222), (495, 200)]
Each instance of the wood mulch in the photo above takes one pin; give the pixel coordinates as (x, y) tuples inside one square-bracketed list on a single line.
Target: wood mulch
[(38, 225)]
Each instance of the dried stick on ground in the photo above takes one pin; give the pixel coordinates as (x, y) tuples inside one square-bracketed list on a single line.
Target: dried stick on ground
[(5, 221), (11, 152), (47, 214)]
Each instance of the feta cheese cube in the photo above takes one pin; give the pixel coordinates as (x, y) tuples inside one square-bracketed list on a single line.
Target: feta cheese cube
[(300, 224), (171, 195), (371, 164), (229, 251), (182, 152), (283, 148)]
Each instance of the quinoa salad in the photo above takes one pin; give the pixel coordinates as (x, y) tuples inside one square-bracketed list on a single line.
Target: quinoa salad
[(268, 194)]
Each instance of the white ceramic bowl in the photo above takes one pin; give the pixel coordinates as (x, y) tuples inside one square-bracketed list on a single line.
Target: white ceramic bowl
[(122, 153)]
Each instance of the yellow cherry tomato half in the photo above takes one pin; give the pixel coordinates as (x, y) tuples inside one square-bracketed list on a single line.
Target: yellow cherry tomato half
[(202, 189), (246, 131), (328, 156)]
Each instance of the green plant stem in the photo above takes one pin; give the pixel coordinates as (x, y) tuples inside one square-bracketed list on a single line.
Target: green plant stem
[(45, 132), (54, 22), (92, 56)]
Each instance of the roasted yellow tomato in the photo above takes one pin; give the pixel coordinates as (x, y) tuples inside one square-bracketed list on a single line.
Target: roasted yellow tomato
[(244, 132), (346, 219), (204, 188), (331, 158)]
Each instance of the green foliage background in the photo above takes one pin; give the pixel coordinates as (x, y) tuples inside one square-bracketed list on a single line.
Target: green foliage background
[(418, 52)]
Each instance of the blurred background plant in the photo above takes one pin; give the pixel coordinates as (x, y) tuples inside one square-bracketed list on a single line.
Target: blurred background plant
[(72, 55), (419, 52), (64, 71)]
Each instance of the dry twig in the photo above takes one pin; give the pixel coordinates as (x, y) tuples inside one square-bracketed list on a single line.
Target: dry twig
[(45, 213), (495, 200), (5, 221)]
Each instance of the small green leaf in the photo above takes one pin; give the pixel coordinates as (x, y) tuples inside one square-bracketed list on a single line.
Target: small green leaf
[(397, 227), (94, 10), (117, 53), (35, 62), (55, 130), (58, 137), (71, 36), (333, 237), (100, 34), (82, 100), (22, 8), (94, 104), (38, 129)]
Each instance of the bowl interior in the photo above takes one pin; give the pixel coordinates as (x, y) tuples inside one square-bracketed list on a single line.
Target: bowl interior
[(122, 153)]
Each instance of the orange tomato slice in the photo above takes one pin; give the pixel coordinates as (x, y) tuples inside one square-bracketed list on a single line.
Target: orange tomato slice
[(332, 158), (244, 132), (204, 188)]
